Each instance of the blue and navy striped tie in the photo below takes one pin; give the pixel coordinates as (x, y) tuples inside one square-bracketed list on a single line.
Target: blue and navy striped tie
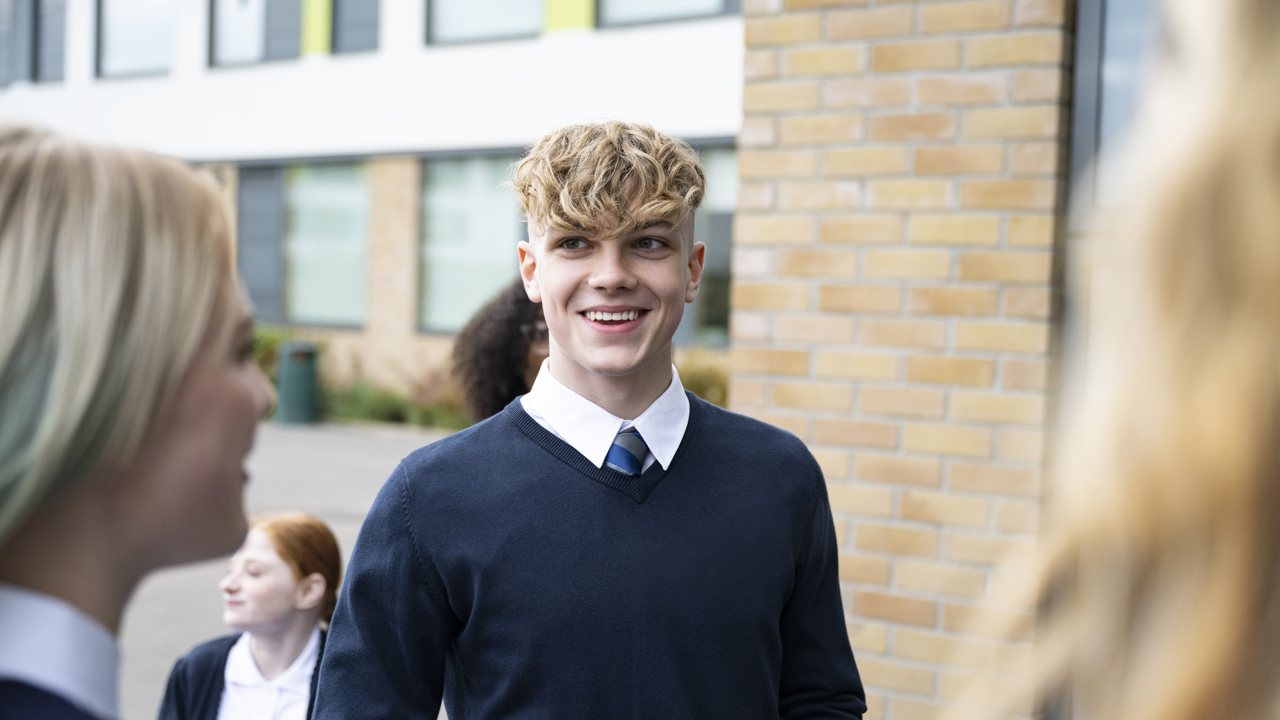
[(627, 453)]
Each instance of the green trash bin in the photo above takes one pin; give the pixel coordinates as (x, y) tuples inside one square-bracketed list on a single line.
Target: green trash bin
[(299, 400)]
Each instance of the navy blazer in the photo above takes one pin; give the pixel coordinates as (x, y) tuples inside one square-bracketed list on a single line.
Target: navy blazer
[(20, 701)]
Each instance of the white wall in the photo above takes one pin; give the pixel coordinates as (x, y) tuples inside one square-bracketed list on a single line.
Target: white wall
[(683, 77)]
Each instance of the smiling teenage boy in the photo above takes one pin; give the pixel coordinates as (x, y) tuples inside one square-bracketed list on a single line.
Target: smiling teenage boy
[(609, 546)]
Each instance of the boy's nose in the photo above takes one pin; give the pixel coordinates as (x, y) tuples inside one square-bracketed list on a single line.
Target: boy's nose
[(612, 271)]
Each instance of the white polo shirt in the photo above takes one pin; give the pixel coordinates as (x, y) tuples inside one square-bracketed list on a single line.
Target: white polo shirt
[(590, 429), (249, 696)]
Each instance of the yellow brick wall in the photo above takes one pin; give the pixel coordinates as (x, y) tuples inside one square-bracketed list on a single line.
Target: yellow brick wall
[(902, 166)]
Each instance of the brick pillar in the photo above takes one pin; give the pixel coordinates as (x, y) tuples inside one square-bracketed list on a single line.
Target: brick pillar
[(901, 166)]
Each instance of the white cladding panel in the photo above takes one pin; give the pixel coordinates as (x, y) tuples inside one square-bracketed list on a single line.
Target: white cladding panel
[(685, 78)]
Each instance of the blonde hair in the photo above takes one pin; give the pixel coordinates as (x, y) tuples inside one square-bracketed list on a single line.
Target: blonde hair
[(589, 177), (114, 264), (1163, 574), (308, 546)]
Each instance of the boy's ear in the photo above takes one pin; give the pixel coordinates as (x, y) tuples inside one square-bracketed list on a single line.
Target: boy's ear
[(696, 259), (529, 271)]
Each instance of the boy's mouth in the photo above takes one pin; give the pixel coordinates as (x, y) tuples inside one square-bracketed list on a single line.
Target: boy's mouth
[(613, 319)]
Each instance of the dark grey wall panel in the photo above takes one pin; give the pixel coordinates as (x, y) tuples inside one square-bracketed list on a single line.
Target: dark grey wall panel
[(355, 25), (260, 224), (283, 29), (17, 39), (51, 32), (1086, 99), (6, 41)]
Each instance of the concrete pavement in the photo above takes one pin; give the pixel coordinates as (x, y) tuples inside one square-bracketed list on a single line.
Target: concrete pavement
[(331, 471)]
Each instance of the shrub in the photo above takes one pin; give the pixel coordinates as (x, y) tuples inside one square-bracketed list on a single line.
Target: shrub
[(704, 373), (267, 340), (364, 401)]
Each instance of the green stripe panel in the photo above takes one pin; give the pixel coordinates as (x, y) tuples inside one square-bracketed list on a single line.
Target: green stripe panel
[(317, 26), (570, 14)]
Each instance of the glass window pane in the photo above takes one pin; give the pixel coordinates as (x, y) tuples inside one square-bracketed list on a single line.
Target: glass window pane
[(137, 36), (706, 320), (720, 165), (462, 20), (1131, 28), (470, 226), (239, 31), (622, 12), (326, 244)]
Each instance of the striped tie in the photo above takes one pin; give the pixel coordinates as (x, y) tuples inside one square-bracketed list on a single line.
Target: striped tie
[(627, 453)]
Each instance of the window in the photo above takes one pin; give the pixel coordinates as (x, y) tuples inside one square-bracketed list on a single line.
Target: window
[(135, 37), (1113, 46), (470, 20), (355, 25), (260, 228), (470, 226), (303, 242), (326, 243), (251, 31), (706, 320), (31, 40), (628, 12)]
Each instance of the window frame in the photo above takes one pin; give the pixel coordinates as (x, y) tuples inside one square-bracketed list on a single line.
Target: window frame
[(693, 340), (423, 158), (334, 31), (99, 32), (279, 312), (361, 160), (1086, 111), (431, 41), (731, 7), (212, 38), (35, 68)]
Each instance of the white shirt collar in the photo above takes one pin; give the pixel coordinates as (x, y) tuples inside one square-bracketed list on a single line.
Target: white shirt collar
[(53, 645), (243, 670), (590, 429)]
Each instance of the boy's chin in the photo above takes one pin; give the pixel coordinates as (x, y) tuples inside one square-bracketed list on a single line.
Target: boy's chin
[(617, 364)]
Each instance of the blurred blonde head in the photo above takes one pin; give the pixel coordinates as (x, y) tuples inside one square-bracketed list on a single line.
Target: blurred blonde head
[(584, 177), (114, 266), (1163, 576)]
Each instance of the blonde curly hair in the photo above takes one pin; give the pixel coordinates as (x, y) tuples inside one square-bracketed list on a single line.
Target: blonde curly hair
[(608, 177)]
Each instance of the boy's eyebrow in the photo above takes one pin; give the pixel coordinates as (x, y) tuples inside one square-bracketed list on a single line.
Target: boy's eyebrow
[(656, 224)]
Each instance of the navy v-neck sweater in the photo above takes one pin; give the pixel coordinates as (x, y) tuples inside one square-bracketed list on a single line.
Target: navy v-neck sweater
[(499, 569)]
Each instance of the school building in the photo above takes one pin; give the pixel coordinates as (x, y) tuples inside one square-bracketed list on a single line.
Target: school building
[(895, 190)]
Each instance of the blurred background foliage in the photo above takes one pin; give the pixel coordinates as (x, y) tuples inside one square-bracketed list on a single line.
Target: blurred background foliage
[(434, 400)]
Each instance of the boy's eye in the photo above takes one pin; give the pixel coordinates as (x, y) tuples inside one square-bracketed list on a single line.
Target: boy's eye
[(573, 243), (649, 243)]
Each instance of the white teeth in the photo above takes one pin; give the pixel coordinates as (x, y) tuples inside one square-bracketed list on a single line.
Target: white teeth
[(597, 315)]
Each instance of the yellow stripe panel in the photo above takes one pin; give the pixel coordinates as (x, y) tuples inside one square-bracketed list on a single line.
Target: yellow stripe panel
[(570, 14), (317, 26)]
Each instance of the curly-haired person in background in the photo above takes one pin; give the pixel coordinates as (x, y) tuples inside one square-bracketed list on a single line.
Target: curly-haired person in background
[(497, 355)]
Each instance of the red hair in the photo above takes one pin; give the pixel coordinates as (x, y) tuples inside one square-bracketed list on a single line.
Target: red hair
[(308, 545)]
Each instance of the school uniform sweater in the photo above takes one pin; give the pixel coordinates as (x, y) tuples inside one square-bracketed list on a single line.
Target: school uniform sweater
[(503, 572)]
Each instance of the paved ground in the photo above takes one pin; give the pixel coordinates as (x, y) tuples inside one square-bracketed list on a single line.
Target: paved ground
[(331, 471)]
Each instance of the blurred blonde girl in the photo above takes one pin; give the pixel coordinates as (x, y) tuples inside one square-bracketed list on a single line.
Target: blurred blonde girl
[(128, 402), (1164, 578)]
